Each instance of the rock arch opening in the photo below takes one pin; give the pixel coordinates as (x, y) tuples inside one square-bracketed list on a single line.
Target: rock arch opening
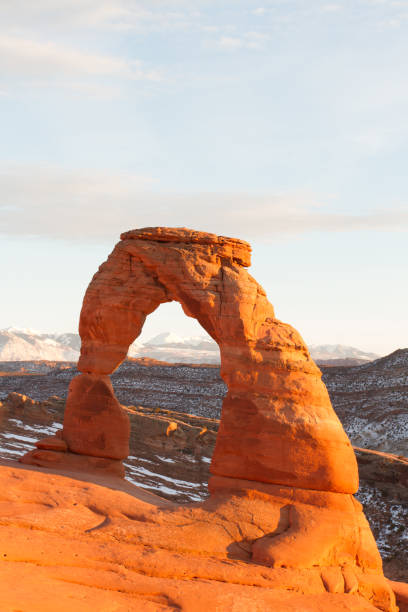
[(173, 394), (168, 335), (173, 399), (185, 368)]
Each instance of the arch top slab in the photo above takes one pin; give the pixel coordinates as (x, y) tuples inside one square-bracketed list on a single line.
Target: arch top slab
[(234, 248)]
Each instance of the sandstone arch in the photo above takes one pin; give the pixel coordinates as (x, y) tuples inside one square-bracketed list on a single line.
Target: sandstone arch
[(277, 423)]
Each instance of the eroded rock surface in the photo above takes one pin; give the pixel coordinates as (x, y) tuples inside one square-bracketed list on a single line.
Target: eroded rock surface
[(95, 423), (175, 464), (107, 545), (274, 387)]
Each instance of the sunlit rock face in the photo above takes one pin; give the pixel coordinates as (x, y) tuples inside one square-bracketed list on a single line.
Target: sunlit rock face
[(277, 423), (96, 413), (282, 460)]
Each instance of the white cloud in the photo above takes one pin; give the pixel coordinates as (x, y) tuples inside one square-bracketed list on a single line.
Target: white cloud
[(210, 28), (30, 58), (230, 42), (331, 8), (393, 23), (98, 14), (255, 40), (248, 40), (259, 11), (71, 204)]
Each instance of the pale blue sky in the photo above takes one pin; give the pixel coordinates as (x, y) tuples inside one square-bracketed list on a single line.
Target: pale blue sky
[(281, 122)]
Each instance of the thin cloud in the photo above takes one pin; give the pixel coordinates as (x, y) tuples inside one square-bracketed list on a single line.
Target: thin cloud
[(98, 14), (230, 42), (248, 40), (30, 58), (259, 12), (91, 205), (331, 8), (255, 40)]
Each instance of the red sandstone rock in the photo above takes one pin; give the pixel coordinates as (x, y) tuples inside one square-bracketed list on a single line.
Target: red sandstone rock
[(18, 402), (277, 423), (53, 443), (71, 462), (95, 423), (401, 592), (94, 547), (313, 528)]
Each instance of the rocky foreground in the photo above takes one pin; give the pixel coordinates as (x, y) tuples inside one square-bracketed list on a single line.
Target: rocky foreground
[(170, 454), (368, 398), (107, 545)]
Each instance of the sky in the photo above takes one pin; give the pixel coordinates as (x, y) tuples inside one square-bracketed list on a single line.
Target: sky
[(282, 122)]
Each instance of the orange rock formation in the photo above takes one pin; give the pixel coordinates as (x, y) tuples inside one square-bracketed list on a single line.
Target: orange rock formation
[(72, 544), (281, 457)]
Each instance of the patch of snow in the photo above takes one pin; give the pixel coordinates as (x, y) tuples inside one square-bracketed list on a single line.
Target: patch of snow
[(14, 436), (145, 472), (165, 459)]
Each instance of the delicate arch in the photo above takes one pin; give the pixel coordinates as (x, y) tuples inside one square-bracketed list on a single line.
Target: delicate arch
[(277, 423)]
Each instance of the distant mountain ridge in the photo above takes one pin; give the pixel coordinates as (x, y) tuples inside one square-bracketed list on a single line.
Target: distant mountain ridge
[(169, 339), (339, 351), (30, 345), (26, 344)]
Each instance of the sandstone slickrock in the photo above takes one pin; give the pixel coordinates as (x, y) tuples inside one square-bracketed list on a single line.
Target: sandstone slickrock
[(281, 454), (107, 545), (177, 466)]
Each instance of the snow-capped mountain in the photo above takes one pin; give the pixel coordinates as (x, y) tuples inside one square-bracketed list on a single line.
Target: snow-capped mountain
[(325, 352), (171, 339), (29, 345), (170, 347)]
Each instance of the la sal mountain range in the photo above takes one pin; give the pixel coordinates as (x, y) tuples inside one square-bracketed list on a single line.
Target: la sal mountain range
[(26, 345)]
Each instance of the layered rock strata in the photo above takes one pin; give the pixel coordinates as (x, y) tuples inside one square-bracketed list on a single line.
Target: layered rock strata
[(279, 438)]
